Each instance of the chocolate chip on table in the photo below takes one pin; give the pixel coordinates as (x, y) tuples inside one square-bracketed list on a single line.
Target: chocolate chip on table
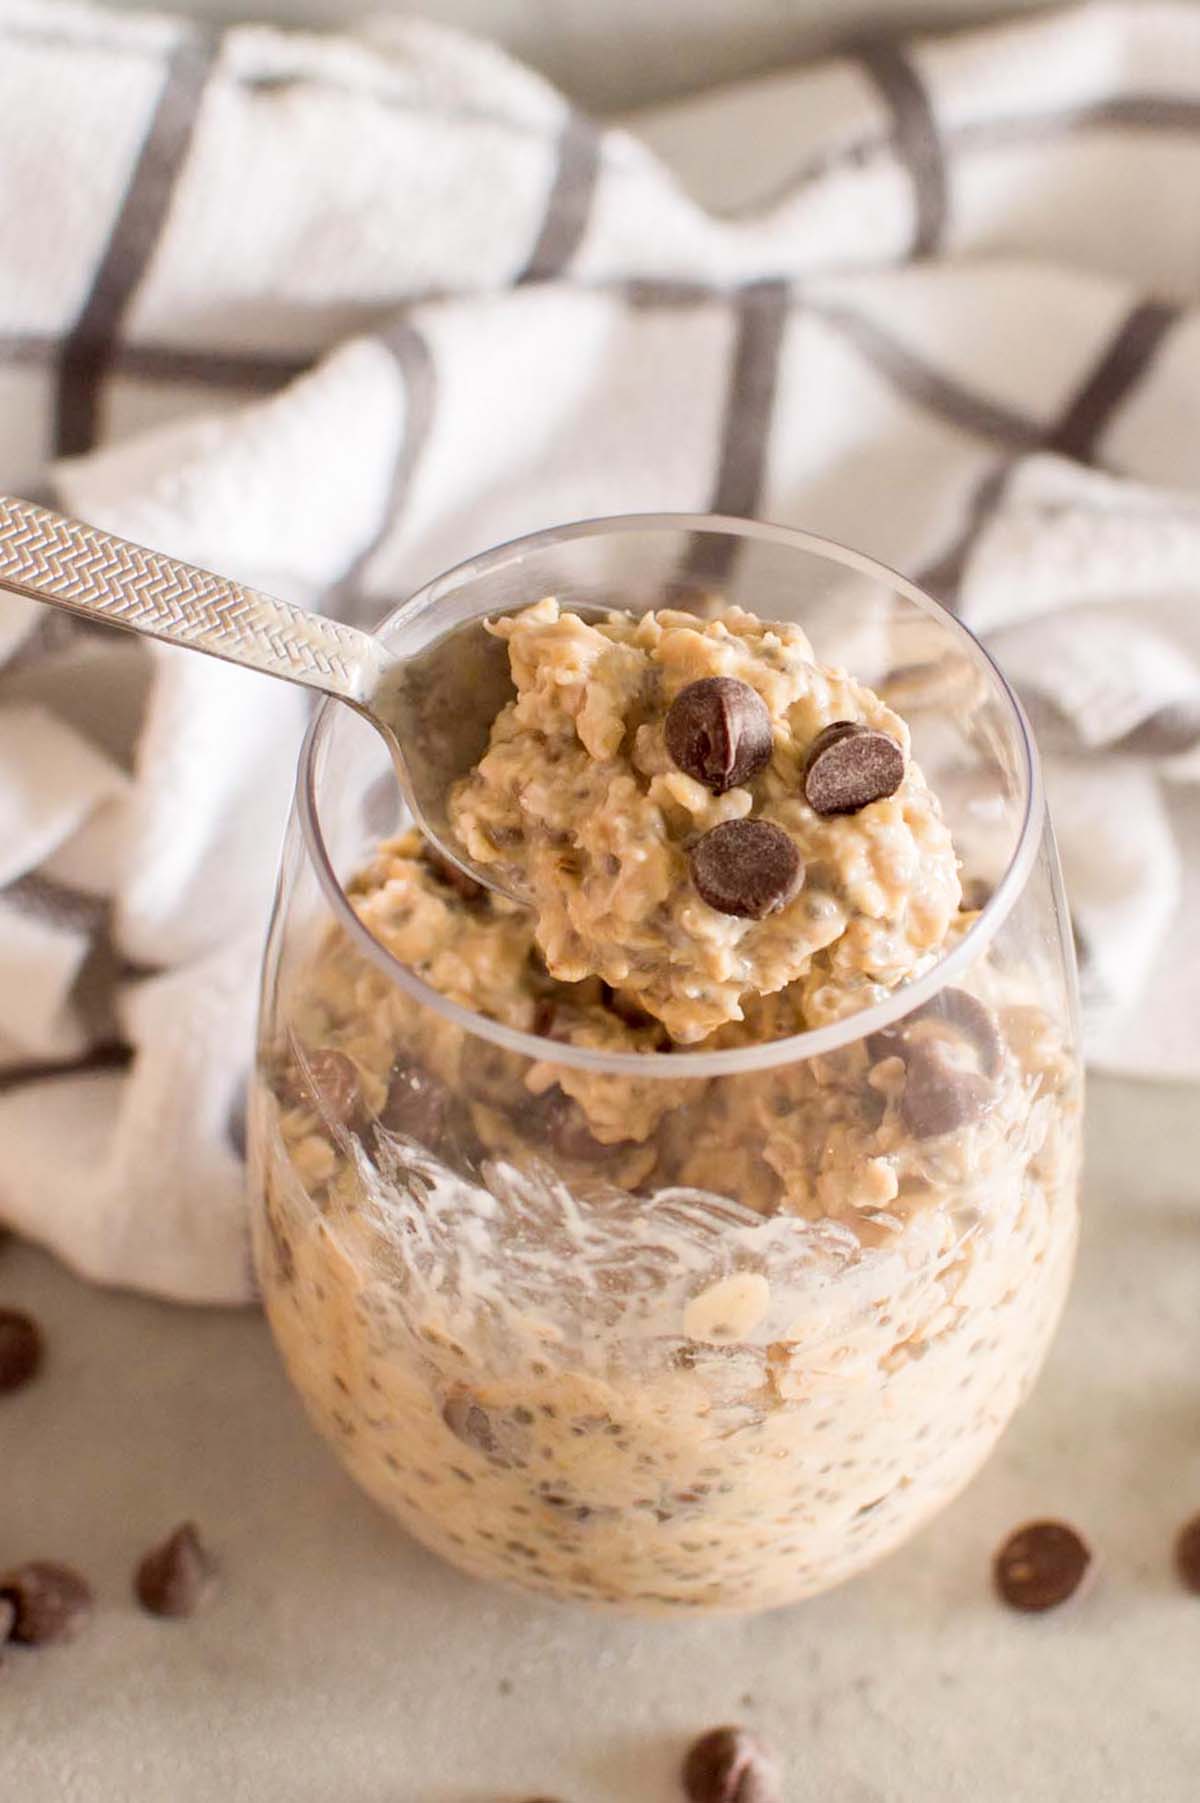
[(51, 1602), (177, 1578), (334, 1078), (417, 1104), (21, 1349), (729, 1765), (1041, 1565), (849, 766), (939, 1096), (1187, 1554), (750, 868), (718, 731)]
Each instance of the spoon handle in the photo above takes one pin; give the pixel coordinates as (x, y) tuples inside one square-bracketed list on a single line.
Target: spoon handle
[(45, 557)]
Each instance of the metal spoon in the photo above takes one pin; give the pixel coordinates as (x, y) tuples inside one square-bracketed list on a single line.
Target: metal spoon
[(434, 710)]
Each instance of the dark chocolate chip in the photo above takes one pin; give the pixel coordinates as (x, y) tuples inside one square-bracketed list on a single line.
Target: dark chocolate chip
[(627, 1008), (729, 1765), (417, 1105), (178, 1577), (469, 1422), (849, 766), (449, 874), (52, 1602), (976, 895), (1187, 1555), (20, 1349), (750, 868), (334, 1078), (1041, 1565), (973, 1019), (939, 1096), (718, 731), (8, 1617), (557, 1119), (970, 1018)]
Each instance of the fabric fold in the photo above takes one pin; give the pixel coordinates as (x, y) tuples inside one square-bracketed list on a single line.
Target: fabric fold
[(330, 313)]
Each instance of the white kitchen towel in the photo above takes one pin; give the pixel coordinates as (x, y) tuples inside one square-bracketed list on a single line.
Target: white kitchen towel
[(329, 313)]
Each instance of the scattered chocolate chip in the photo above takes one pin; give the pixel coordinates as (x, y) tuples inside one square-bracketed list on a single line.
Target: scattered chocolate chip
[(970, 1018), (849, 766), (627, 1008), (178, 1577), (51, 1602), (334, 1078), (8, 1616), (417, 1105), (1187, 1555), (973, 1019), (750, 868), (469, 1422), (730, 1765), (20, 1349), (1041, 1565), (939, 1096), (558, 1120), (718, 731), (463, 885), (975, 896)]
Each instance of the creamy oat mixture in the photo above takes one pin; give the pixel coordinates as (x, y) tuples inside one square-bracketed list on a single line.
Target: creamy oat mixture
[(580, 798), (667, 1342)]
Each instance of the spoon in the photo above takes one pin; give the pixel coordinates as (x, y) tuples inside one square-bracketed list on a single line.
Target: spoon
[(434, 709)]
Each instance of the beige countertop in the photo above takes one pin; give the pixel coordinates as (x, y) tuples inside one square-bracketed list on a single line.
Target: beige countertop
[(344, 1665)]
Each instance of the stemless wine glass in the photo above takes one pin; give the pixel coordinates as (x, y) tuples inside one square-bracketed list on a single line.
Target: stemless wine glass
[(742, 1352)]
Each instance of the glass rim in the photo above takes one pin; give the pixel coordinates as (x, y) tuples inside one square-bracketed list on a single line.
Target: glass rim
[(680, 1063)]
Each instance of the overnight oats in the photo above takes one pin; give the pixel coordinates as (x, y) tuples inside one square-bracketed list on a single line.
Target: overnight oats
[(639, 1244)]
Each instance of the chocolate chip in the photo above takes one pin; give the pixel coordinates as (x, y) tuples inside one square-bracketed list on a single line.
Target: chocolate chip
[(973, 1019), (1041, 1565), (718, 731), (449, 874), (729, 1765), (750, 868), (976, 895), (849, 766), (970, 1018), (469, 1422), (417, 1105), (1187, 1555), (334, 1078), (178, 1577), (627, 1008), (939, 1096), (558, 1120), (20, 1349), (51, 1602), (8, 1617)]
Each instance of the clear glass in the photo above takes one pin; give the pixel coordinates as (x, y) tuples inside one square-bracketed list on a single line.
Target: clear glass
[(750, 1349)]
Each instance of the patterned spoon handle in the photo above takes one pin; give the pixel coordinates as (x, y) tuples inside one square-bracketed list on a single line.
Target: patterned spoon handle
[(45, 557)]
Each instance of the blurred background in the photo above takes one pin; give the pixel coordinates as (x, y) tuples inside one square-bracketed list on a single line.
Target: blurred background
[(611, 54)]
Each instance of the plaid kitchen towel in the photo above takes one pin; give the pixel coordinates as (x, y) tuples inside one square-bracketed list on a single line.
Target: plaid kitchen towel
[(328, 313)]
